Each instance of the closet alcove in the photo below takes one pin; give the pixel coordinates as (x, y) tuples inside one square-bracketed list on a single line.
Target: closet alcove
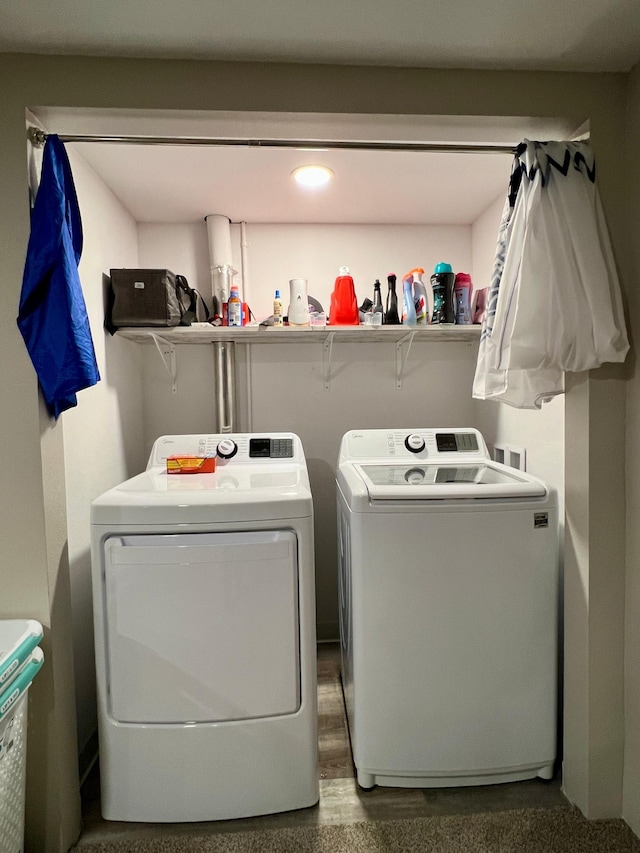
[(143, 205)]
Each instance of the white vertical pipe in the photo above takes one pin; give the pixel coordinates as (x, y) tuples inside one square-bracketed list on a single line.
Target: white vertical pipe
[(220, 256), (224, 371), (244, 262), (219, 231)]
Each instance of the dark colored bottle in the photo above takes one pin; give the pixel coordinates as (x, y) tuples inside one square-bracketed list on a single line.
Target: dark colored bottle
[(391, 316), (442, 283), (377, 298)]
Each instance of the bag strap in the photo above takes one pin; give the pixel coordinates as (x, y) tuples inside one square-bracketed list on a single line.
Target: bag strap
[(207, 315), (189, 314)]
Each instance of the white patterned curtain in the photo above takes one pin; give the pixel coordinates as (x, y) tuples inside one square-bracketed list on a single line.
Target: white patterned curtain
[(554, 301)]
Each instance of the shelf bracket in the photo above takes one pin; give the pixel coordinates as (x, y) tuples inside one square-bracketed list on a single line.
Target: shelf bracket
[(327, 348), (400, 360), (168, 355)]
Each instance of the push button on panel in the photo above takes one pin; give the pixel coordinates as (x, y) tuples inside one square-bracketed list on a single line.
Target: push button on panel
[(467, 441), (281, 448)]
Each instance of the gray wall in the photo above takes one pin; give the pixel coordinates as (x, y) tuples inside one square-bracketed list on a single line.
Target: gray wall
[(631, 802)]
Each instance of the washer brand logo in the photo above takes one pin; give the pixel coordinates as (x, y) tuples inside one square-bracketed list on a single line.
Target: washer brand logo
[(540, 519)]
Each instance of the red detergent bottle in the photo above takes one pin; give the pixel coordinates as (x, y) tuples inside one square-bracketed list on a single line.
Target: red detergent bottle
[(344, 305)]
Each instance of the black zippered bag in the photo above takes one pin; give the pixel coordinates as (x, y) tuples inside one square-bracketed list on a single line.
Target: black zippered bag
[(151, 297)]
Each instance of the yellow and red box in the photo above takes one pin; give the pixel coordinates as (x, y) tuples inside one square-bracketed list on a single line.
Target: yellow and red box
[(191, 464)]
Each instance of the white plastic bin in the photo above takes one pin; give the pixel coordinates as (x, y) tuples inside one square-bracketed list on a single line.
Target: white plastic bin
[(20, 660)]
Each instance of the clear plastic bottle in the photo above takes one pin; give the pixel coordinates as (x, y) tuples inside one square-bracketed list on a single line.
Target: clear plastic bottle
[(277, 310), (234, 309)]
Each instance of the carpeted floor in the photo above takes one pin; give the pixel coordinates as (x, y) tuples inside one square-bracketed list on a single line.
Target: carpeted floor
[(555, 830)]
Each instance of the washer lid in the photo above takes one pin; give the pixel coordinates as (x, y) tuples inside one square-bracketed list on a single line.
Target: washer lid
[(423, 481)]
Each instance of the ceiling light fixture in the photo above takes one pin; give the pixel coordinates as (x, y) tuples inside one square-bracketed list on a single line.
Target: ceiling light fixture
[(312, 176)]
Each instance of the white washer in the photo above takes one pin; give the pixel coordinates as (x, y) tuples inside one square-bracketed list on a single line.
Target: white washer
[(204, 610), (448, 589)]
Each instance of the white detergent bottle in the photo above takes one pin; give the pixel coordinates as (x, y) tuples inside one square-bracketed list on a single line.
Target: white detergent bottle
[(420, 298)]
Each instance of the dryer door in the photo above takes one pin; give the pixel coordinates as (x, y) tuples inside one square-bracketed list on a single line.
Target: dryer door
[(202, 627)]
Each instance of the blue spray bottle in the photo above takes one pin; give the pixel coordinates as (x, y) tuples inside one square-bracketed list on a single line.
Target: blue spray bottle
[(408, 304)]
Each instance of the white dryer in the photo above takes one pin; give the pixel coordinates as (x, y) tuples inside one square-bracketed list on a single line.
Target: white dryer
[(204, 610), (448, 588)]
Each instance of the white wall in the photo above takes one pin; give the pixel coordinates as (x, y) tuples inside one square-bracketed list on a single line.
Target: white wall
[(181, 248), (484, 238), (278, 253), (103, 434)]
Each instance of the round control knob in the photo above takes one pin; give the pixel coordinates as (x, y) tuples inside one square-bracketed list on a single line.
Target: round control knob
[(227, 448), (414, 443), (415, 476)]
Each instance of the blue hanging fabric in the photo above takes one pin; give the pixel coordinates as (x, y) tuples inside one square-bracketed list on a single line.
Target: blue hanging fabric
[(53, 317)]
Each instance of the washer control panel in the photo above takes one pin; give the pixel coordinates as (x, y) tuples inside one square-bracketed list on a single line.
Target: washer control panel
[(433, 444)]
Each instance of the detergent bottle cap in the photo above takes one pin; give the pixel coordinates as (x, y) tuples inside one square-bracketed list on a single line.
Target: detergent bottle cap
[(277, 294), (415, 273), (443, 268), (343, 271)]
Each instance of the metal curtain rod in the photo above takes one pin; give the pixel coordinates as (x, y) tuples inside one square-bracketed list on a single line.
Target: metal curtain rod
[(38, 138)]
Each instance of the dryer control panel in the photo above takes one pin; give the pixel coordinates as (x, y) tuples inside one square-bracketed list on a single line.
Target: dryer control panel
[(236, 448), (432, 444)]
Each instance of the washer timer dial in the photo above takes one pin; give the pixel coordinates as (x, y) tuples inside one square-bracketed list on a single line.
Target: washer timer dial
[(227, 448), (414, 442)]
